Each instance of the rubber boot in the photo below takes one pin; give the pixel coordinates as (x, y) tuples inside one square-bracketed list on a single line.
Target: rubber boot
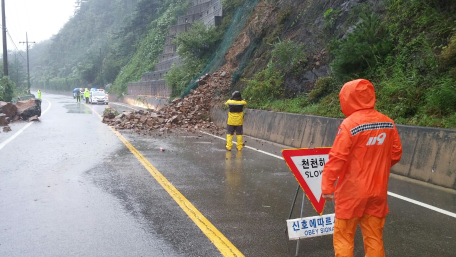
[(229, 142), (240, 143)]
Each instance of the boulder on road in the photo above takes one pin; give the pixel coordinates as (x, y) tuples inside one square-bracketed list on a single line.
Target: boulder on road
[(33, 118), (29, 108), (3, 119), (8, 109)]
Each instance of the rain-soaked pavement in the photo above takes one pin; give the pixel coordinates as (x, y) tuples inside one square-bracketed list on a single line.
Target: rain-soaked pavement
[(70, 187)]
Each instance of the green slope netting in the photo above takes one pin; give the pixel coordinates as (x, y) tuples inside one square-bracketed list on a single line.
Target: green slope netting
[(240, 18)]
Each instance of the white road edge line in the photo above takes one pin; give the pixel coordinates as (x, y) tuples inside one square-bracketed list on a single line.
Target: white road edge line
[(423, 204), (22, 129), (430, 207), (124, 105)]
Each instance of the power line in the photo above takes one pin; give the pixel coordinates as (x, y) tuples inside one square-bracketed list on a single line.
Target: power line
[(12, 41), (28, 66)]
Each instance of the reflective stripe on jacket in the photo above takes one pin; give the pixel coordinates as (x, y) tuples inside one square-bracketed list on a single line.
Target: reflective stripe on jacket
[(367, 145), (235, 114)]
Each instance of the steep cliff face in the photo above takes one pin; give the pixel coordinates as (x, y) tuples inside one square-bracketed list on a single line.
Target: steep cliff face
[(404, 47), (303, 22)]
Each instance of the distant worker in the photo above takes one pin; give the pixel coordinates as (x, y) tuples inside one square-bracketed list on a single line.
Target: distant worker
[(39, 94), (86, 95), (78, 96), (235, 120), (367, 145)]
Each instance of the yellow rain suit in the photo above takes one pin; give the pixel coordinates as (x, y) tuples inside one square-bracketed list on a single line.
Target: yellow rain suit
[(235, 122)]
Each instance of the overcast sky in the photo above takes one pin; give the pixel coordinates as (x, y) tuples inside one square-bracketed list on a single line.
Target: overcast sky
[(39, 18)]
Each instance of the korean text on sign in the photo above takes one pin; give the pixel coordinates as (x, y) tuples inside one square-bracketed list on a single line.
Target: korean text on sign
[(311, 226)]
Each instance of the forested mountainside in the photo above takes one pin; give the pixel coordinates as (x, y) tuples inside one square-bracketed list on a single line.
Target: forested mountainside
[(292, 55)]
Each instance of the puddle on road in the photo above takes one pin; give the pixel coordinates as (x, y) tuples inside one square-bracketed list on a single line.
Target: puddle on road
[(78, 108)]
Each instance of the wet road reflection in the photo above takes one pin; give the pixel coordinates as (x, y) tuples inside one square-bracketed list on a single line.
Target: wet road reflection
[(78, 108)]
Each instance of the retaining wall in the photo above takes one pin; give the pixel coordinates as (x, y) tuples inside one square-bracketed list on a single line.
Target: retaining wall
[(142, 101), (429, 154), (153, 88)]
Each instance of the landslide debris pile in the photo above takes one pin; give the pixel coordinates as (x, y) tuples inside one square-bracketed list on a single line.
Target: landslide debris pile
[(191, 113), (28, 110)]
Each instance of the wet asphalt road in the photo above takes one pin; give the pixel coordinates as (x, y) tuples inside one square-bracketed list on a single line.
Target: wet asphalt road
[(70, 187)]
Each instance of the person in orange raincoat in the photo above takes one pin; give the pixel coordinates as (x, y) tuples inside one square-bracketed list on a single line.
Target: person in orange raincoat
[(367, 145)]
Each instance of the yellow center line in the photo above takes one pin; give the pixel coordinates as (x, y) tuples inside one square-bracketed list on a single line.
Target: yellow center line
[(225, 247)]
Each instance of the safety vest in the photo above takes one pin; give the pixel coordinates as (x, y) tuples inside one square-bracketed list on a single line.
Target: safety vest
[(39, 94), (236, 112)]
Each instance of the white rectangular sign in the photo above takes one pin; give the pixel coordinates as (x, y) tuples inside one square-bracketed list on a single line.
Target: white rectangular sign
[(310, 226)]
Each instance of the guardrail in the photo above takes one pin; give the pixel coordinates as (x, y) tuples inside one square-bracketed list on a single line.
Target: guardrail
[(428, 155), (23, 98)]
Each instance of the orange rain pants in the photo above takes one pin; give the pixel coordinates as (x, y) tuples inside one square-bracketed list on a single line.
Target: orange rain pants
[(372, 229)]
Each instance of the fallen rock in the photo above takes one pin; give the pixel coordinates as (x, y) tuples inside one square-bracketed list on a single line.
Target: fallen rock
[(109, 113), (33, 118), (3, 119), (190, 113), (29, 108), (8, 109), (6, 129)]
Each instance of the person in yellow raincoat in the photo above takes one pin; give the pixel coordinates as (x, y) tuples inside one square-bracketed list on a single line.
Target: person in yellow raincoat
[(235, 120), (39, 94), (367, 145), (87, 95)]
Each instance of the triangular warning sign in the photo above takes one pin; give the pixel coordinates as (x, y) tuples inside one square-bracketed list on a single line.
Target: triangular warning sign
[(307, 167)]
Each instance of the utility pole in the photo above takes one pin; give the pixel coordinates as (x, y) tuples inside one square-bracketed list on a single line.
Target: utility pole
[(101, 70), (28, 66), (17, 67), (5, 49)]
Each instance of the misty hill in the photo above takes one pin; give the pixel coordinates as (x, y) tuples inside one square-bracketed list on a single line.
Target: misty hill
[(289, 55)]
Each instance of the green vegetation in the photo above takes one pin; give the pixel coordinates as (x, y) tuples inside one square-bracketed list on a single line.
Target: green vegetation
[(146, 56), (105, 42), (219, 40), (407, 48), (6, 89), (408, 52), (79, 49), (266, 86), (67, 84), (194, 47), (330, 17)]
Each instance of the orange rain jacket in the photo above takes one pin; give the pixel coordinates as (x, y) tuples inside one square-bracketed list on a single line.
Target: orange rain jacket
[(367, 145)]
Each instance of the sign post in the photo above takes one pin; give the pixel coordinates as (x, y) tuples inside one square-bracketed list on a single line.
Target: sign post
[(307, 167)]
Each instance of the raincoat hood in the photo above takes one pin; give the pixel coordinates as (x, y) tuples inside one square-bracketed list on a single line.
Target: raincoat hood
[(236, 96), (357, 95)]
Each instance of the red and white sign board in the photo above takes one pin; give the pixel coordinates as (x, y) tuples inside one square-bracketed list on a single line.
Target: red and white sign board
[(307, 166)]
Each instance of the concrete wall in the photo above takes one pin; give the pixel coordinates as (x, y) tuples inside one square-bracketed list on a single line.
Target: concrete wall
[(165, 57), (189, 18), (213, 10), (429, 154), (153, 88), (198, 8), (166, 65), (178, 29), (142, 101)]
